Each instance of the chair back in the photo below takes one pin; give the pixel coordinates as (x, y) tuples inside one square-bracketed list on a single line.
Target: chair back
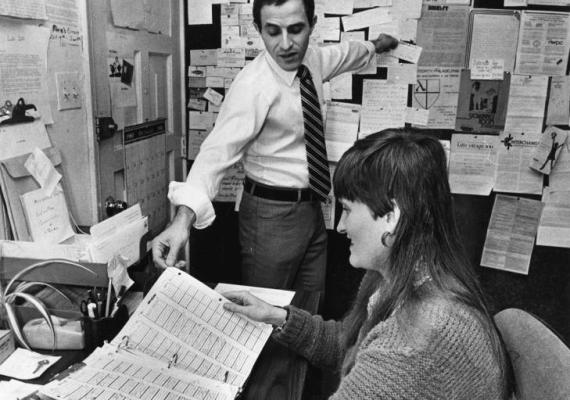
[(540, 359)]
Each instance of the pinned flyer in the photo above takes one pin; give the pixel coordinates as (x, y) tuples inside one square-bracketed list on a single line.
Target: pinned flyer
[(548, 149), (484, 69), (407, 52), (213, 96)]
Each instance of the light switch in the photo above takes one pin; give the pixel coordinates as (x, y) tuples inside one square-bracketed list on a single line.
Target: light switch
[(68, 90)]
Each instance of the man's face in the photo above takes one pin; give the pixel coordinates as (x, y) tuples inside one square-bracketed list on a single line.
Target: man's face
[(285, 31)]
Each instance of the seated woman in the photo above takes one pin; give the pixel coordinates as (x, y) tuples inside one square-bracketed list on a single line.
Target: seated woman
[(419, 327)]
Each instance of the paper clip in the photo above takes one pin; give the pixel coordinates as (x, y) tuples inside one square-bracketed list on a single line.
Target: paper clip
[(173, 360)]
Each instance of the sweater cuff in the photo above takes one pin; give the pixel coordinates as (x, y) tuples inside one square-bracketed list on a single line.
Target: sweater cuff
[(296, 322)]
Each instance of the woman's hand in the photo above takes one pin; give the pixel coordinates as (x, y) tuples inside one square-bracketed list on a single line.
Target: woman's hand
[(254, 308)]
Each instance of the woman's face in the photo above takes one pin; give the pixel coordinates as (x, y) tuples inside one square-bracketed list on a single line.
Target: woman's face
[(365, 233)]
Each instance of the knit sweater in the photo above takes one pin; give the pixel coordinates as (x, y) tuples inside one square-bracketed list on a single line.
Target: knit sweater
[(444, 353)]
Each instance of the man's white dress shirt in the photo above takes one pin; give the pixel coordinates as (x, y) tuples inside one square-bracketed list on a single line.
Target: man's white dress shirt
[(261, 123)]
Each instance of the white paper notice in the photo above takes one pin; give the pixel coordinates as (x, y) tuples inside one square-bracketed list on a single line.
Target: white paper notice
[(43, 171), (494, 37), (384, 105), (47, 215), (526, 104), (437, 90), (341, 128), (364, 19), (558, 112), (200, 13), (417, 116), (407, 52), (23, 66), (511, 233), (341, 86), (32, 9), (472, 163), (196, 138), (544, 42), (442, 34), (340, 7), (484, 69), (554, 225), (513, 172)]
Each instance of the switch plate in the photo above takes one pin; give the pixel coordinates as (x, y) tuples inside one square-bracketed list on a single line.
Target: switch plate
[(68, 90)]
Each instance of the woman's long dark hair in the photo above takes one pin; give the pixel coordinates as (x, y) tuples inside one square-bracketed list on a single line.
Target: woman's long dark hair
[(409, 168)]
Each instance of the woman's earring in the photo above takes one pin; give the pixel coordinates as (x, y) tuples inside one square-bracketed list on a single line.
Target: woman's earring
[(384, 238)]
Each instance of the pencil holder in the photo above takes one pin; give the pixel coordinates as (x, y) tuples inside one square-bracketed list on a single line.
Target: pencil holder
[(106, 328)]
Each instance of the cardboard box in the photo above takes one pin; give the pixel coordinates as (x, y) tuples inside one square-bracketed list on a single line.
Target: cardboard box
[(16, 256), (56, 272)]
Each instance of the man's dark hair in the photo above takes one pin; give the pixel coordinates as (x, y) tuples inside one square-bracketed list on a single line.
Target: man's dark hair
[(258, 4)]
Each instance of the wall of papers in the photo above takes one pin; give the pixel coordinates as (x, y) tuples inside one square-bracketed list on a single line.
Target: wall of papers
[(491, 81)]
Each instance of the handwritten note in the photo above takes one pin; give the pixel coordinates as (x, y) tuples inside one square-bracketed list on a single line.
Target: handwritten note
[(47, 215)]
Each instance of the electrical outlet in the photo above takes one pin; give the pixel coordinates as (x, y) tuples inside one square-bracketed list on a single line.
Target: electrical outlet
[(68, 90)]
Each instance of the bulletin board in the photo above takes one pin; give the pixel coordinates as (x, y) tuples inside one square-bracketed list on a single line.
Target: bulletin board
[(545, 291)]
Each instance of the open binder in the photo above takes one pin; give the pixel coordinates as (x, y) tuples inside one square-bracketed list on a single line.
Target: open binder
[(179, 344)]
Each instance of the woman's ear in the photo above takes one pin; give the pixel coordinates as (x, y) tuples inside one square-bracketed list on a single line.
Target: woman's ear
[(393, 217)]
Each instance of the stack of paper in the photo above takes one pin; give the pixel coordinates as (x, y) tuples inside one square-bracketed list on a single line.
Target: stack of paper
[(179, 344)]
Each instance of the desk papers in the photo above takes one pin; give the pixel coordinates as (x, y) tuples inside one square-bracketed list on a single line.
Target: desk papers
[(25, 364), (180, 335), (511, 233)]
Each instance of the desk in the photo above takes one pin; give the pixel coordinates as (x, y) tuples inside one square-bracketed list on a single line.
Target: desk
[(279, 374)]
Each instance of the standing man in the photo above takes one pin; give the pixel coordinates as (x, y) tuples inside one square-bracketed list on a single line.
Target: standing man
[(272, 120)]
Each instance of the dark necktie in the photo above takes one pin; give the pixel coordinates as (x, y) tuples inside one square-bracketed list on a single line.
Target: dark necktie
[(319, 176)]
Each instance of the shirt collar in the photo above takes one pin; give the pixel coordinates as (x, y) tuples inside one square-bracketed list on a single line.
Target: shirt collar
[(287, 76)]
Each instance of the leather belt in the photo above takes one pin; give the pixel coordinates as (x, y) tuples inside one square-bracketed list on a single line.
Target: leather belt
[(277, 193)]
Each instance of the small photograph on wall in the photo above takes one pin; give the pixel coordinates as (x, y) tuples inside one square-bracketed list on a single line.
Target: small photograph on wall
[(482, 105)]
